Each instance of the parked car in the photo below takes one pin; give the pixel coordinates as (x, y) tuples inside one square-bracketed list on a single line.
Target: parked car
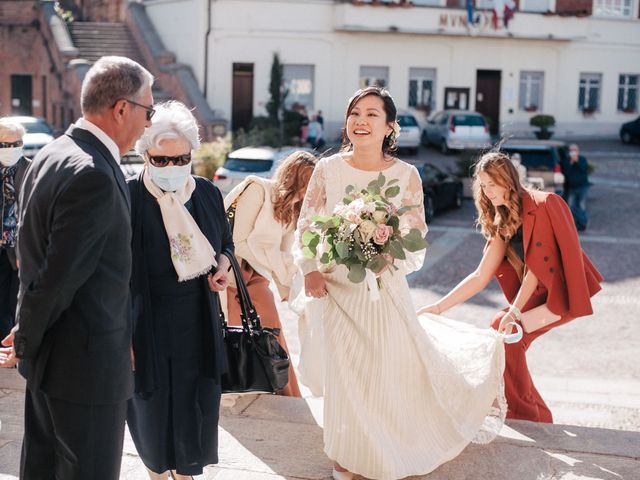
[(409, 138), (39, 133), (457, 130), (542, 159), (630, 131), (260, 161), (441, 189), (131, 164)]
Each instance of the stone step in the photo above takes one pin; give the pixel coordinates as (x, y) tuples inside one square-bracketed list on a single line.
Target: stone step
[(95, 39), (268, 437)]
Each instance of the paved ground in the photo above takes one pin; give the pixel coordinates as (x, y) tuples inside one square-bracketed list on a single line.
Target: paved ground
[(269, 437), (587, 370)]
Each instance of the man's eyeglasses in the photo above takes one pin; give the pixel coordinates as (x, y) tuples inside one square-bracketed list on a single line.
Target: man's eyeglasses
[(162, 161), (150, 110), (17, 143)]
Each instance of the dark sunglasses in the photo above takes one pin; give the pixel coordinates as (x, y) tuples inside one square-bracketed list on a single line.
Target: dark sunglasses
[(17, 143), (162, 161), (150, 110)]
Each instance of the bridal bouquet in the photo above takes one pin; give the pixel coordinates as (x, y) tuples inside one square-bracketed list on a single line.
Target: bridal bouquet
[(363, 233)]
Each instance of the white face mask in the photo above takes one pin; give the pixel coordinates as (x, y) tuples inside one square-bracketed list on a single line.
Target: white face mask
[(10, 156), (171, 177)]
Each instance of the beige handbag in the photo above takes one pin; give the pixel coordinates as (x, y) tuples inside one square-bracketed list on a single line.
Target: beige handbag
[(537, 318)]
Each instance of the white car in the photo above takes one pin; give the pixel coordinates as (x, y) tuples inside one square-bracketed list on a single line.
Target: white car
[(457, 130), (409, 138), (39, 133), (260, 161)]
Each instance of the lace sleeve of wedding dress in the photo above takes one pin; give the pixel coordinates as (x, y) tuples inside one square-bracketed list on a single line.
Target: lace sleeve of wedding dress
[(313, 204), (414, 218)]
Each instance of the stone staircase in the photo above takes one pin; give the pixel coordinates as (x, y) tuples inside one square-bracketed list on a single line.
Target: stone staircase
[(97, 39)]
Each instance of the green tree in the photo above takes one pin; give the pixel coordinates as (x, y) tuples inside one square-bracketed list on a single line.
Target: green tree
[(276, 90)]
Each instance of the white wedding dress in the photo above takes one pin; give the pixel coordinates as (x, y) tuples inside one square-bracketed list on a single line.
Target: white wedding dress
[(402, 394)]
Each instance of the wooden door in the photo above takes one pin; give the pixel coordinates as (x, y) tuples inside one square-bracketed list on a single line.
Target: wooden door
[(242, 96), (488, 97)]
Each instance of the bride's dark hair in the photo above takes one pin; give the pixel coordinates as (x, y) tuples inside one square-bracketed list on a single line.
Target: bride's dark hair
[(389, 145)]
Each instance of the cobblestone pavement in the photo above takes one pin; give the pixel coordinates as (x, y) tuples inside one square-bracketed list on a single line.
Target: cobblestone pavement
[(588, 370)]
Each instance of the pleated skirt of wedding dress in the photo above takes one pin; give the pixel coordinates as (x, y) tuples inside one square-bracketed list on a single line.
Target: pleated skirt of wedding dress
[(402, 394)]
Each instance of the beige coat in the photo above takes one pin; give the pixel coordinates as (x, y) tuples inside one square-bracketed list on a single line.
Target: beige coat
[(258, 237)]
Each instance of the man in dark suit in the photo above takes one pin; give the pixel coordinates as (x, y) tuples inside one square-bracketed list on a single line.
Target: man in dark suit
[(13, 165), (73, 332)]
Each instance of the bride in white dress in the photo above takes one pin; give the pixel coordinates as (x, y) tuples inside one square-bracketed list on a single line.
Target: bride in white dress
[(402, 394)]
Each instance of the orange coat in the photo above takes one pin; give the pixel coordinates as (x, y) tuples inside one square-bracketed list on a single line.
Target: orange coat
[(552, 252)]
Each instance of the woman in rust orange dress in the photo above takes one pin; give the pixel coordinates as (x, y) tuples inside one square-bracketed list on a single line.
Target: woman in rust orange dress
[(266, 215), (534, 252)]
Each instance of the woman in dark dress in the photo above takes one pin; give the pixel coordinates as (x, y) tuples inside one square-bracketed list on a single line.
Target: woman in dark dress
[(180, 238)]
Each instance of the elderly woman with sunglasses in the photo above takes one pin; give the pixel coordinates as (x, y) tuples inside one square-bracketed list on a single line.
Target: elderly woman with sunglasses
[(13, 165), (180, 238)]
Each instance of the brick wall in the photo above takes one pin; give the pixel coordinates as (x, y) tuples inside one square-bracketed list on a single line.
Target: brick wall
[(26, 49)]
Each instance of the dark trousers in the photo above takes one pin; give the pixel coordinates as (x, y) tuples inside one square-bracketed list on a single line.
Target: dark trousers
[(69, 441), (8, 294), (577, 200)]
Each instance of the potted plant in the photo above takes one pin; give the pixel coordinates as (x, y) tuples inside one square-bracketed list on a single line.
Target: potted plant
[(465, 163), (531, 108), (588, 110), (629, 110), (543, 122)]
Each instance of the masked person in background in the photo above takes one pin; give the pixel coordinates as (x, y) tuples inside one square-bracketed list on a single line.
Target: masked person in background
[(180, 238), (13, 165)]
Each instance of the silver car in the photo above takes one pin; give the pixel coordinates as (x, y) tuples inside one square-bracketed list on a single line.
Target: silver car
[(409, 138), (457, 130), (39, 133), (260, 161)]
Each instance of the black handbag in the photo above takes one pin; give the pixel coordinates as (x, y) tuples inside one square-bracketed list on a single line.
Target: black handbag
[(256, 361)]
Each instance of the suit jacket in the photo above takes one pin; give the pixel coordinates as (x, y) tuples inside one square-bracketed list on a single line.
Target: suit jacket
[(21, 169), (74, 247), (552, 252), (209, 214)]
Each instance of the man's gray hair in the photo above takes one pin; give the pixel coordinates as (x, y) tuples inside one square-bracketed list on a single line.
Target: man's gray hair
[(172, 121), (111, 79), (10, 127)]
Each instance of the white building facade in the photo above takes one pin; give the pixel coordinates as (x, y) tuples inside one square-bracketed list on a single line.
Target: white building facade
[(582, 67)]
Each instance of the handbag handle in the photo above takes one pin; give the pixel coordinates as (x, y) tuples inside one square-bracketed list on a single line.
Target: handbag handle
[(248, 314)]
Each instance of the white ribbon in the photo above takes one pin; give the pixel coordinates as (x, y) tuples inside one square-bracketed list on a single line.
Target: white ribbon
[(372, 284), (513, 337)]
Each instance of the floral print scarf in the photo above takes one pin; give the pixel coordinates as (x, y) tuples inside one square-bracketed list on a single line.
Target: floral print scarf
[(191, 253)]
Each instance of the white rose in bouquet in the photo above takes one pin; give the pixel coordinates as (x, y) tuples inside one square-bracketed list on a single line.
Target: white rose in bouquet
[(366, 229)]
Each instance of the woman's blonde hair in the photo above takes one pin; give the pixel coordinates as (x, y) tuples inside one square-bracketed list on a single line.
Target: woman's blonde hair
[(290, 183), (502, 221)]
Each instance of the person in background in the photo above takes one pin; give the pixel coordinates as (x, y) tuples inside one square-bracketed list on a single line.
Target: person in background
[(516, 159), (320, 118), (13, 165), (266, 214), (315, 135), (181, 240), (576, 183)]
